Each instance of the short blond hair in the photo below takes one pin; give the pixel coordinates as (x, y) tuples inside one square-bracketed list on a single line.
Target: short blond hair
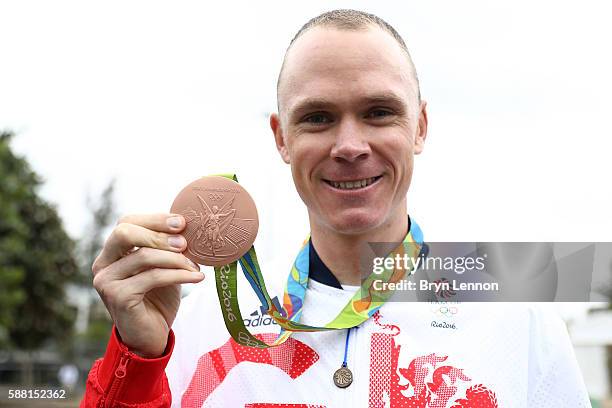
[(352, 20)]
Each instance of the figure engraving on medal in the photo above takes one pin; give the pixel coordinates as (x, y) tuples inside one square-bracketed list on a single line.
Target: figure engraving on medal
[(216, 232), (221, 219), (215, 223)]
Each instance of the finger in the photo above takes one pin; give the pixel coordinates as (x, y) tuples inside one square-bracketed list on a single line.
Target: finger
[(157, 278), (148, 258), (170, 223), (127, 236)]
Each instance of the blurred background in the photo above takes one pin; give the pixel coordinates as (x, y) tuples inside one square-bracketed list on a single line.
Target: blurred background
[(111, 108)]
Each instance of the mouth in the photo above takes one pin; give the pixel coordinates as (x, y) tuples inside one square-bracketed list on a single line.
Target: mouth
[(353, 184)]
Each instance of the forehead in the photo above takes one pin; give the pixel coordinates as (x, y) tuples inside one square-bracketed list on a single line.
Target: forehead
[(343, 65)]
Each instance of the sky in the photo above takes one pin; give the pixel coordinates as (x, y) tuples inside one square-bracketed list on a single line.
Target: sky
[(157, 94)]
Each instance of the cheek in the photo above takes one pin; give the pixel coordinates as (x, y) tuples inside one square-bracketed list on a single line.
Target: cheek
[(399, 153), (306, 155), (301, 170)]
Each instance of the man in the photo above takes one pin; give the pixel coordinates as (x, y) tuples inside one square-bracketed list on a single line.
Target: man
[(350, 120)]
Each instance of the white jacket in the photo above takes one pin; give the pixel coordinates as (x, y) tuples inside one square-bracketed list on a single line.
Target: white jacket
[(511, 355)]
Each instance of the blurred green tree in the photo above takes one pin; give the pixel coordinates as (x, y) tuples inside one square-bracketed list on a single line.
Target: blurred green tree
[(37, 260)]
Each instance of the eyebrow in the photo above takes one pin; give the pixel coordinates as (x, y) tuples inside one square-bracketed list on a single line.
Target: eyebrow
[(386, 97), (311, 104)]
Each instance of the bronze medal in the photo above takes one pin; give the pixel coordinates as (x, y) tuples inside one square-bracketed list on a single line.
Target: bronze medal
[(343, 377), (221, 218)]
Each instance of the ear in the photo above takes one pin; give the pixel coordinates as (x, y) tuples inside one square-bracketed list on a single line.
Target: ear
[(421, 133), (281, 146)]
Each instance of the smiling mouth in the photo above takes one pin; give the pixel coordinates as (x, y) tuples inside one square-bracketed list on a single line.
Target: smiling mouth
[(353, 184)]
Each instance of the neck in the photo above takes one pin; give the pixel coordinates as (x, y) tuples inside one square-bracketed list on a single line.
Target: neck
[(342, 252)]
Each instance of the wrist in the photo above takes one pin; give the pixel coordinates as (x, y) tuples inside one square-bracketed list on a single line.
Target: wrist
[(149, 354), (144, 350)]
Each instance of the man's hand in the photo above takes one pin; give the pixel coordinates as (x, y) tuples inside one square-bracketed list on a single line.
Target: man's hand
[(138, 275)]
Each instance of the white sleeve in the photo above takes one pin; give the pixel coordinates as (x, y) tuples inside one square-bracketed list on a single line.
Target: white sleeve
[(554, 378)]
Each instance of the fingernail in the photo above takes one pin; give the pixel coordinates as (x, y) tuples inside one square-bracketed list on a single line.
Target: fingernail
[(198, 275), (176, 241), (190, 262), (174, 222)]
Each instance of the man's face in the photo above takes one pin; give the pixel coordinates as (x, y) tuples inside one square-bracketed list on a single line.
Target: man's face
[(349, 125)]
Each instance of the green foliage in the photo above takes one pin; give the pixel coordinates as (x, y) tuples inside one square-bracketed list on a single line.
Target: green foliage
[(36, 259)]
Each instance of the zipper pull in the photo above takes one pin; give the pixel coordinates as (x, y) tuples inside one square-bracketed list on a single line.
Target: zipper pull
[(121, 369)]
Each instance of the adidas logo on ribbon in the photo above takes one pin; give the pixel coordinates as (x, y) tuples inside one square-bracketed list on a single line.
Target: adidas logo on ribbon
[(259, 317)]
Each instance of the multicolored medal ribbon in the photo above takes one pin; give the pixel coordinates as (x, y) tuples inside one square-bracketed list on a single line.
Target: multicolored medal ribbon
[(212, 222)]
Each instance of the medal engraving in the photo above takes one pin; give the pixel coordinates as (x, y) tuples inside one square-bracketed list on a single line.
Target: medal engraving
[(343, 377), (221, 220)]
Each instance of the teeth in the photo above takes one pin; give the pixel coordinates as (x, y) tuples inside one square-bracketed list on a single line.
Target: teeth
[(351, 185)]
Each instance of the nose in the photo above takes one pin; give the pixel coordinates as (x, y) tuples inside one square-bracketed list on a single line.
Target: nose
[(350, 144)]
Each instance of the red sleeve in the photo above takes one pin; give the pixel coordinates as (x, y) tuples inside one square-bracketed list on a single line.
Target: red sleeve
[(124, 379)]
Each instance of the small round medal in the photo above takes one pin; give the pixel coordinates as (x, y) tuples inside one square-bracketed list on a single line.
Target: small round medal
[(343, 377), (221, 218)]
